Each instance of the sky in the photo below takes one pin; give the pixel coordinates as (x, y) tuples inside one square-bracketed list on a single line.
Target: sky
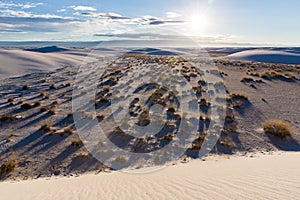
[(267, 22)]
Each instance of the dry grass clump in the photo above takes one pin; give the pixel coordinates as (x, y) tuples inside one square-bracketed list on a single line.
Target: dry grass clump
[(42, 94), (279, 128), (25, 87), (240, 96), (68, 84), (247, 79), (7, 167), (69, 131), (276, 75), (10, 101), (52, 112), (100, 117), (6, 117), (53, 86), (45, 127), (76, 143), (238, 99), (37, 104), (26, 106), (290, 76), (43, 80), (44, 109), (227, 142)]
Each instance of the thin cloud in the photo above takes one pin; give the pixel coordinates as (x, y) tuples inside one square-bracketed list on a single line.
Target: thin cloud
[(22, 14), (61, 10), (83, 8), (19, 5), (164, 22), (172, 15)]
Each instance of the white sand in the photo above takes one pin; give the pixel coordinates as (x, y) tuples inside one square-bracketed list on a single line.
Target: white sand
[(15, 62), (269, 56), (262, 177)]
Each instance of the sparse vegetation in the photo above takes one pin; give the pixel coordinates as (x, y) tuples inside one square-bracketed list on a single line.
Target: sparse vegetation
[(26, 106), (44, 109), (6, 117), (42, 94), (226, 142), (37, 104), (52, 112), (238, 99), (25, 87), (43, 80), (247, 79), (45, 127), (100, 117), (53, 87), (10, 101), (68, 131), (277, 75), (7, 167), (76, 143), (279, 128)]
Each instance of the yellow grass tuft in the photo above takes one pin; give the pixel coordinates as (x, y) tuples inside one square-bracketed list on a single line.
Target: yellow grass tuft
[(279, 128)]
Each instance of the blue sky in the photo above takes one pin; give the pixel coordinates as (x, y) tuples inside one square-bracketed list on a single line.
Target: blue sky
[(267, 22)]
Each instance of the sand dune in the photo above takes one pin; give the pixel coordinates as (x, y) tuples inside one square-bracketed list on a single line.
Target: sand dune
[(268, 56), (16, 62), (262, 177)]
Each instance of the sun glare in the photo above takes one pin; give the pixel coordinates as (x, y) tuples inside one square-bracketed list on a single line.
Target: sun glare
[(197, 24)]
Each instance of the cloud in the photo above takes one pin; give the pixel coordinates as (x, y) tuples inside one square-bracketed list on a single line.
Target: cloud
[(83, 8), (22, 14), (19, 5), (157, 35), (163, 22), (145, 20), (114, 16), (61, 10), (172, 15)]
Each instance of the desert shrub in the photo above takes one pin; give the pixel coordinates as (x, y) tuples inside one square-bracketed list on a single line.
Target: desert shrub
[(240, 96), (25, 87), (6, 117), (52, 112), (76, 143), (290, 76), (247, 79), (279, 128), (197, 90), (44, 109), (53, 86), (226, 142), (69, 131), (68, 84), (238, 99), (202, 82), (100, 117), (10, 101), (37, 104), (45, 127), (42, 94), (26, 106), (43, 80), (7, 167)]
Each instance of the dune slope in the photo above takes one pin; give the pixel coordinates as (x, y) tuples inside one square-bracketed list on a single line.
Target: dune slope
[(268, 56), (264, 177)]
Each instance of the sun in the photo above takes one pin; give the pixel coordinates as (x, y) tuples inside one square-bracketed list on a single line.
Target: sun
[(197, 24)]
